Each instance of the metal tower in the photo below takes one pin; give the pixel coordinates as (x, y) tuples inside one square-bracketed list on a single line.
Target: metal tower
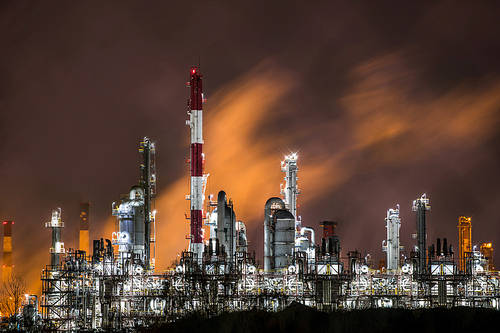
[(421, 205), (392, 246)]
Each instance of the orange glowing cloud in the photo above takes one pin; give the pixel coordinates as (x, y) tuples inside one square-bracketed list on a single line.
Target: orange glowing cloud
[(380, 116)]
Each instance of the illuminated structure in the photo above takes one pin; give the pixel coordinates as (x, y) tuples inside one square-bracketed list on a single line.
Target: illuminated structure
[(392, 247), (487, 252), (7, 266), (148, 184), (198, 179), (107, 291), (57, 248), (464, 241), (420, 206), (290, 189), (135, 215), (290, 192), (83, 238)]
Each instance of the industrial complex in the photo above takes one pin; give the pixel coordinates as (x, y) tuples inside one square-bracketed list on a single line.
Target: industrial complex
[(112, 284)]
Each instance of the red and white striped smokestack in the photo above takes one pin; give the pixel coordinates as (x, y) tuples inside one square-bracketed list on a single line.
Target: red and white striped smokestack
[(196, 161)]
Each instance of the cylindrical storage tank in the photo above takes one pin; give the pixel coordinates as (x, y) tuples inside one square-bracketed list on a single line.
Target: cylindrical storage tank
[(284, 238)]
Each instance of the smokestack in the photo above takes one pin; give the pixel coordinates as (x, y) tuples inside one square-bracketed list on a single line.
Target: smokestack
[(328, 228), (421, 205), (57, 248), (7, 266), (196, 196), (84, 227), (464, 241)]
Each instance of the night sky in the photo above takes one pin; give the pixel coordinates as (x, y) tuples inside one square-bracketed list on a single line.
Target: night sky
[(383, 101)]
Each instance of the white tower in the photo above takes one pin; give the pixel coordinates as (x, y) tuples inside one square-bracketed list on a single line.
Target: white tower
[(392, 247), (290, 189)]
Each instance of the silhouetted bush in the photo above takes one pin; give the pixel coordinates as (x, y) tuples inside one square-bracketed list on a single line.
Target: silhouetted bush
[(299, 318)]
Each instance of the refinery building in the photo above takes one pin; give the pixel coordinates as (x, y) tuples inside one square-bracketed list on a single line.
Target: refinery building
[(112, 283)]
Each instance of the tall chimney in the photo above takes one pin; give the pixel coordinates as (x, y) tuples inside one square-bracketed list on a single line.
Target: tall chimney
[(7, 266), (57, 248), (196, 194), (84, 227), (464, 241)]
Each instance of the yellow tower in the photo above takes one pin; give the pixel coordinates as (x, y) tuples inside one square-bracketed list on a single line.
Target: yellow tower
[(464, 240), (487, 251), (84, 227), (7, 266)]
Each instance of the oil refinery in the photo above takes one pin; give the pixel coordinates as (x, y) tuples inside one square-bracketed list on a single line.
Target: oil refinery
[(114, 285)]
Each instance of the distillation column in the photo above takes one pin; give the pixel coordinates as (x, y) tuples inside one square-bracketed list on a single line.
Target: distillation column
[(421, 205), (148, 183), (464, 241), (84, 227), (290, 190), (392, 247), (7, 266), (196, 196), (57, 248), (272, 205)]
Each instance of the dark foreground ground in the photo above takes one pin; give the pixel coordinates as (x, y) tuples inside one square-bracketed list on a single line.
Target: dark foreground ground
[(298, 318)]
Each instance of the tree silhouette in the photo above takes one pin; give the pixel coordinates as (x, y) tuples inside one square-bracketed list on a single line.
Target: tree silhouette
[(11, 294)]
